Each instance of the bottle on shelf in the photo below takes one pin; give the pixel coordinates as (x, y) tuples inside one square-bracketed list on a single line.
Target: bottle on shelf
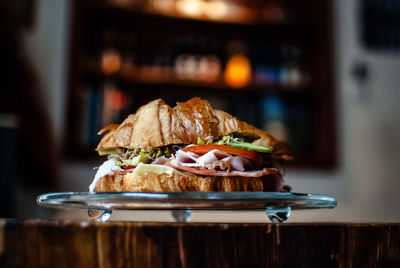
[(273, 117)]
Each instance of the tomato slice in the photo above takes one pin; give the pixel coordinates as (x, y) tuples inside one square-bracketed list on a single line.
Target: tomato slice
[(128, 167), (203, 149)]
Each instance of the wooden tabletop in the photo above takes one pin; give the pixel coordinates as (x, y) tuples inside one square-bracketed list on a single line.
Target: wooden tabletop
[(61, 243)]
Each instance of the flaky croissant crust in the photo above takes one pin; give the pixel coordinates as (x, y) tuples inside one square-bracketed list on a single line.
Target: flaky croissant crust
[(157, 124)]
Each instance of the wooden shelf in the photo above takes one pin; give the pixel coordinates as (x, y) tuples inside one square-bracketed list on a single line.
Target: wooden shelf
[(253, 16), (166, 79)]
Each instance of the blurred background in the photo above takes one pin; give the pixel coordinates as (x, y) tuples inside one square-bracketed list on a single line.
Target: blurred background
[(321, 75)]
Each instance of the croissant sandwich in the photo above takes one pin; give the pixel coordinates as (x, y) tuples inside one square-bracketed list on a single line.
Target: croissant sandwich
[(190, 147)]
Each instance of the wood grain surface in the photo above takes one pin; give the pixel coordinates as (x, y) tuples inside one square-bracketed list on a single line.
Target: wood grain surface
[(60, 243)]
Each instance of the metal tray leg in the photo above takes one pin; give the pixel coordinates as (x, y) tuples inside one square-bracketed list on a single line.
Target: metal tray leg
[(278, 214), (98, 214), (184, 215)]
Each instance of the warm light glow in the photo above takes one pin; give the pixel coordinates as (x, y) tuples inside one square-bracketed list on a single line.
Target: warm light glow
[(163, 5), (190, 7), (238, 71), (215, 9), (110, 61)]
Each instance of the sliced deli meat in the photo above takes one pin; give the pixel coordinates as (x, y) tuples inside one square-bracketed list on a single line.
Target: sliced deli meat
[(186, 157), (240, 163), (214, 160), (254, 157), (213, 172)]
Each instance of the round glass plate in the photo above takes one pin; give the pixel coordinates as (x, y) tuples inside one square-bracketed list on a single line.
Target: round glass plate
[(277, 205)]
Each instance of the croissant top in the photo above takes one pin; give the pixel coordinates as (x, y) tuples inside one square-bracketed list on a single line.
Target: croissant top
[(157, 124)]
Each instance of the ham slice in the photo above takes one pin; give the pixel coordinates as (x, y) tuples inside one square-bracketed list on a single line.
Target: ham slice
[(212, 160), (212, 172), (240, 163), (186, 157)]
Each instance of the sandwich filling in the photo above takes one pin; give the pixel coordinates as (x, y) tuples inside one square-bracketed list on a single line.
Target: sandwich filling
[(228, 156)]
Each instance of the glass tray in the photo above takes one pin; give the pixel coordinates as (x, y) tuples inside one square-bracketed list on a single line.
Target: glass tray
[(277, 205)]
